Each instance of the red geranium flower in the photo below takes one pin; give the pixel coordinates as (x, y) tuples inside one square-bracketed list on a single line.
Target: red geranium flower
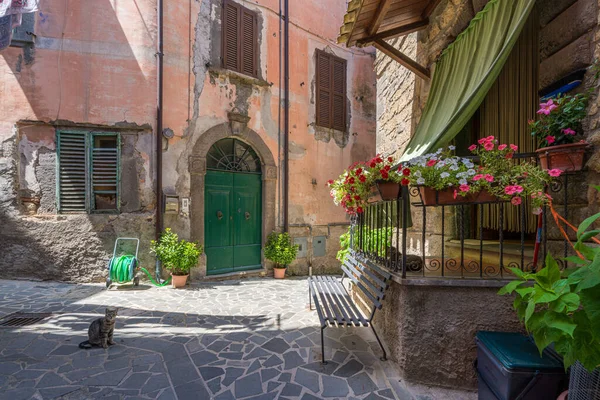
[(362, 178), (406, 172), (405, 182), (359, 210)]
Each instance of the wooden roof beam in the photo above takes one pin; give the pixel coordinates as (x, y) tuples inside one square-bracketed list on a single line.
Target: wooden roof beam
[(382, 9), (429, 9), (400, 57), (400, 31)]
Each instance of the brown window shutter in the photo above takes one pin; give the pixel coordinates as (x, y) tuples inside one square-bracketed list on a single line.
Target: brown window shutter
[(249, 43), (339, 94), (324, 95), (230, 25)]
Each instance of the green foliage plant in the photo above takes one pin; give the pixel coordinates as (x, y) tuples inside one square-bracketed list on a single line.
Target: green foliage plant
[(560, 119), (564, 309), (177, 256), (280, 249), (379, 240)]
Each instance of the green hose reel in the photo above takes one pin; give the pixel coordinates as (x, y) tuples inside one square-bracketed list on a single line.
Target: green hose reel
[(122, 269)]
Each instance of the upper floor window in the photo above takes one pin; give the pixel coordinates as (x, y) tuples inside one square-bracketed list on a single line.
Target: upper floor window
[(331, 91), (87, 171), (240, 39)]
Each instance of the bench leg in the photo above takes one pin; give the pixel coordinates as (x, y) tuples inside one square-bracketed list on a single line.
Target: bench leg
[(384, 357), (309, 297), (323, 346)]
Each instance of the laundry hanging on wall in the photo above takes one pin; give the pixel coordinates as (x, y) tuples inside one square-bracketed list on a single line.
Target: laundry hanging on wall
[(11, 15)]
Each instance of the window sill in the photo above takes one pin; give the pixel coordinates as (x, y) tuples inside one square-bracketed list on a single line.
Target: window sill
[(237, 76)]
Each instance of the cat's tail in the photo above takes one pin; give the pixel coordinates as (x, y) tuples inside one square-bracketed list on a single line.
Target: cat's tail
[(85, 345)]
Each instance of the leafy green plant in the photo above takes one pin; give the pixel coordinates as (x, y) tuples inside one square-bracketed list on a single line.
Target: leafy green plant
[(564, 310), (280, 249), (177, 256), (375, 240)]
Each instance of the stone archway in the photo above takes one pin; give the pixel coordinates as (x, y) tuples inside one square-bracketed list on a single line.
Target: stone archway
[(237, 128)]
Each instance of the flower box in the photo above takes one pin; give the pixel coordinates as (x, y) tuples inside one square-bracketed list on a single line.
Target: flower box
[(432, 197), (566, 157), (388, 190)]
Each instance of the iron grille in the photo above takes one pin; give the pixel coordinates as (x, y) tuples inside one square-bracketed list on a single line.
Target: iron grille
[(23, 319)]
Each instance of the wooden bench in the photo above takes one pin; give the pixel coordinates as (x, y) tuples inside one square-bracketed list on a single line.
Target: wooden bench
[(334, 304)]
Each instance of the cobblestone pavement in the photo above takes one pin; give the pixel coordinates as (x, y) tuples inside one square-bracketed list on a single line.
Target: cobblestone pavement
[(249, 339)]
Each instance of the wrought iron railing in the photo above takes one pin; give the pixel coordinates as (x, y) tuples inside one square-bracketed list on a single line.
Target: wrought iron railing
[(443, 241)]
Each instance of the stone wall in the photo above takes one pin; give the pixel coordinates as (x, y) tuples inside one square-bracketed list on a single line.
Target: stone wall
[(430, 330)]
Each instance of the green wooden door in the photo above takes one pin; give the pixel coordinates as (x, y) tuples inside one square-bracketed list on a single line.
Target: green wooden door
[(233, 216)]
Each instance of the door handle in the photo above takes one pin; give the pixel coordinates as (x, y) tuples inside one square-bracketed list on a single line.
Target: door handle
[(247, 215), (219, 215)]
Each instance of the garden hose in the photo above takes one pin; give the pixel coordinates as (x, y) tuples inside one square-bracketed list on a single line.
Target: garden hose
[(122, 269)]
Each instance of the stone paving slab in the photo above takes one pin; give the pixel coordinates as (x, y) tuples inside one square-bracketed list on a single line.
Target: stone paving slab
[(249, 339)]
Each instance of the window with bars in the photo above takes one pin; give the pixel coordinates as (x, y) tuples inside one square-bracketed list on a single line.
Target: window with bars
[(88, 171), (331, 91), (240, 39)]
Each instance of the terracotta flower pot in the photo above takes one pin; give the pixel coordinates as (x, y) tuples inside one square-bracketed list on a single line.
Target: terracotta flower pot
[(388, 190), (279, 273), (374, 196), (432, 197), (566, 157), (178, 281)]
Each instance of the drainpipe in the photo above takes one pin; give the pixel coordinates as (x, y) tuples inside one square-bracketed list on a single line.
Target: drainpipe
[(159, 129), (286, 118)]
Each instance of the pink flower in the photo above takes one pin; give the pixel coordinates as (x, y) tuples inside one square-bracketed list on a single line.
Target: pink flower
[(547, 107), (431, 163), (508, 155), (502, 147), (514, 147), (489, 146), (489, 138), (568, 131), (489, 178), (477, 177), (464, 188), (550, 139), (515, 201), (481, 141), (455, 193), (554, 172), (513, 189), (472, 147), (518, 188)]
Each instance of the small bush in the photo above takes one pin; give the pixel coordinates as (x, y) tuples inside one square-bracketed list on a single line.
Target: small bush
[(280, 249), (177, 256)]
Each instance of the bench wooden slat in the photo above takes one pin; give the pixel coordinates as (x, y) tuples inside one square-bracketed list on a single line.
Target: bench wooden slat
[(345, 297), (323, 300), (371, 274), (386, 275), (318, 306), (325, 290), (332, 284), (373, 299), (378, 291)]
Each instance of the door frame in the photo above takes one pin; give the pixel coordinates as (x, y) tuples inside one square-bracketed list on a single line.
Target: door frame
[(197, 170)]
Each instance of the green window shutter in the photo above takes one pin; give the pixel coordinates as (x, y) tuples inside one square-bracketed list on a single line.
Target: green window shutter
[(105, 156), (72, 170)]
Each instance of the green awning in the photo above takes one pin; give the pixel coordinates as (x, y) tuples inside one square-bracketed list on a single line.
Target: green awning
[(466, 71)]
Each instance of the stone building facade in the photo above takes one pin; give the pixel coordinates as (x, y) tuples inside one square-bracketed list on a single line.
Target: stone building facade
[(91, 68), (452, 311)]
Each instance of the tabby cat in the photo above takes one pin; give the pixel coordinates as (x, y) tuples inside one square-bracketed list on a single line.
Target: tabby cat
[(101, 330)]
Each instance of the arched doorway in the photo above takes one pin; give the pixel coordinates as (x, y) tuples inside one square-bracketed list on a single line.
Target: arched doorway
[(233, 208)]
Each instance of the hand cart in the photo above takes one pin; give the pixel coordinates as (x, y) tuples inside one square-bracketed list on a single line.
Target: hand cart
[(124, 268)]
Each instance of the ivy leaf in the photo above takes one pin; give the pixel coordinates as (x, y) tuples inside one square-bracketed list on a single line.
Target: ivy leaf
[(545, 336), (575, 260), (569, 302), (542, 295), (560, 321), (590, 300), (529, 311), (510, 287), (549, 274), (588, 235), (524, 291), (586, 224)]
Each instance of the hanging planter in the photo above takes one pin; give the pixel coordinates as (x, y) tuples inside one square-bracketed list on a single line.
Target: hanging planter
[(432, 197), (566, 157), (388, 190)]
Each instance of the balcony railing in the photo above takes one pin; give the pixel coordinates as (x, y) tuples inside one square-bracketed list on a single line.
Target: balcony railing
[(452, 240)]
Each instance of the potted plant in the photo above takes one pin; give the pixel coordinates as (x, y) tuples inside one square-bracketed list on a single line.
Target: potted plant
[(558, 130), (281, 251), (177, 256), (564, 309), (387, 179)]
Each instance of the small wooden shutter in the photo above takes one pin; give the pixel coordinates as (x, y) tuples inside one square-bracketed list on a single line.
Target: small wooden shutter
[(249, 43), (231, 45), (72, 170), (105, 171), (339, 94), (324, 114)]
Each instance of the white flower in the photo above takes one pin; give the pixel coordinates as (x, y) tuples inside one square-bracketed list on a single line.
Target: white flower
[(454, 168), (471, 172), (439, 150), (444, 175), (452, 147), (417, 174), (420, 181), (462, 181)]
